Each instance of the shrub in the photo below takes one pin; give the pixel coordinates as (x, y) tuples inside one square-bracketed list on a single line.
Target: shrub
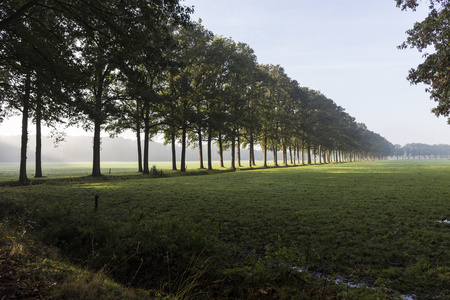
[(155, 172)]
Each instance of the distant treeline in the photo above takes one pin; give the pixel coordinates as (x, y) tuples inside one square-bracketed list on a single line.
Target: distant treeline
[(422, 151)]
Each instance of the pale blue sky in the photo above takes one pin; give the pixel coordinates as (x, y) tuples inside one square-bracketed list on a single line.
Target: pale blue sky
[(345, 49)]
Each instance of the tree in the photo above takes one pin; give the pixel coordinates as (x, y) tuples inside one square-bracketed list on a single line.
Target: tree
[(214, 64), (145, 82), (35, 63), (109, 37), (432, 32), (237, 88), (11, 11), (186, 85), (136, 65), (215, 68), (281, 91)]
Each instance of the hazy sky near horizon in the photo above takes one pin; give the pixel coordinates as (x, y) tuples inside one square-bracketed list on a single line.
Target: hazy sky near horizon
[(345, 49)]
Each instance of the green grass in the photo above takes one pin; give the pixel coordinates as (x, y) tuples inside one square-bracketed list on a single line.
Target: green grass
[(10, 171), (375, 223)]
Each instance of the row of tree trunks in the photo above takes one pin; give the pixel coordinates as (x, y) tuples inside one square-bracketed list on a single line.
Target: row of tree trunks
[(324, 156), (306, 151)]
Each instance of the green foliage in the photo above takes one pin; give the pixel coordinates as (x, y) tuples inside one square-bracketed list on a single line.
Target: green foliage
[(432, 32), (155, 172), (67, 60)]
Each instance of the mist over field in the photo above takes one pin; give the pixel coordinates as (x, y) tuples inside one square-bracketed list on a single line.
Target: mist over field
[(79, 149)]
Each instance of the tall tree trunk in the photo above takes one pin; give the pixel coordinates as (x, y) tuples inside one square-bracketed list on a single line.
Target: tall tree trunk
[(320, 154), (183, 149), (23, 179), (303, 149), (209, 149), (251, 161), (174, 152), (290, 155), (238, 150), (233, 151), (146, 138), (96, 171), (138, 134), (139, 146), (303, 153), (253, 155), (146, 170), (295, 153), (309, 154), (100, 77), (221, 150), (284, 152), (275, 157), (314, 154), (265, 151), (38, 158), (200, 149)]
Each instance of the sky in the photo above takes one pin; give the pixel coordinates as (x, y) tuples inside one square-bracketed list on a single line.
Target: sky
[(346, 49)]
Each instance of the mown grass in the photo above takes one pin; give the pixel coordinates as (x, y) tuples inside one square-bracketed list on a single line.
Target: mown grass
[(240, 234), (10, 171)]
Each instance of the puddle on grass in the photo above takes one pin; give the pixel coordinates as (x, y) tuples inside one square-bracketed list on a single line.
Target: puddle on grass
[(347, 282), (337, 280), (406, 297), (344, 281)]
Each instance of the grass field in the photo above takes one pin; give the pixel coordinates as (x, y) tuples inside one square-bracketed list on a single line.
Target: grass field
[(10, 171), (297, 232)]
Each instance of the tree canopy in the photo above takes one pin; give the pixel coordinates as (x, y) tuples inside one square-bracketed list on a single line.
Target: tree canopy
[(432, 37), (112, 66)]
